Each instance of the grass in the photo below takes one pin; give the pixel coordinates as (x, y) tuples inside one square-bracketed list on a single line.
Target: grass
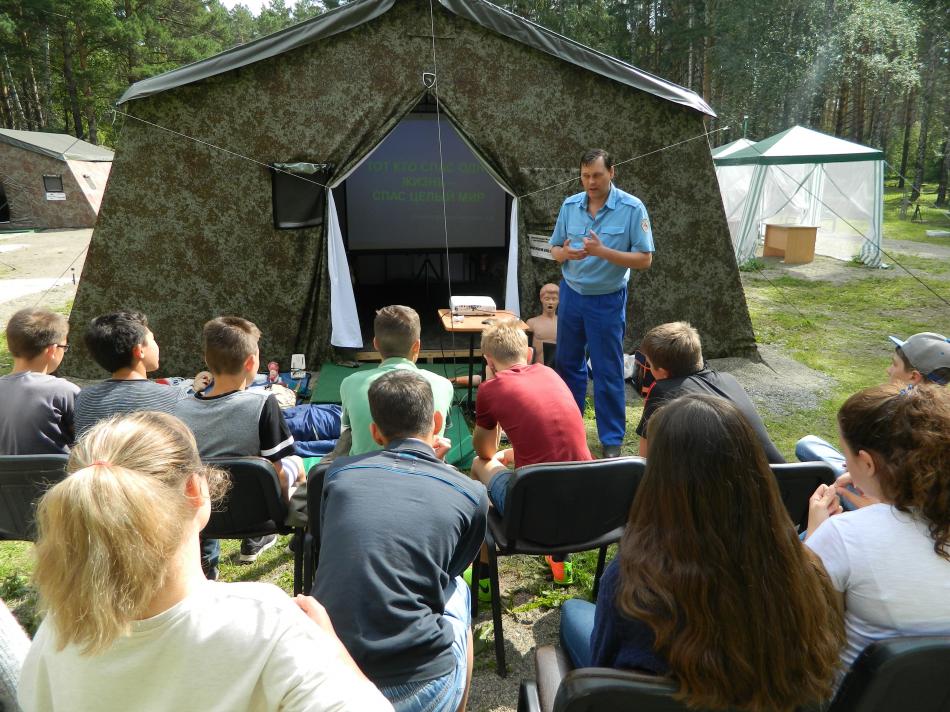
[(896, 228)]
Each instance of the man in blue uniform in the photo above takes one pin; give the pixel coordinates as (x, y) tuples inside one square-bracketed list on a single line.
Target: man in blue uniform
[(600, 235)]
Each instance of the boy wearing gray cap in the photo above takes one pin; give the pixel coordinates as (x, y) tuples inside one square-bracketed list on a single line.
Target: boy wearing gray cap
[(922, 358)]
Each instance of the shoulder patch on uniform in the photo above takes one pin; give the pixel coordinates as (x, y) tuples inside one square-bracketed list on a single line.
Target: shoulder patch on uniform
[(645, 225)]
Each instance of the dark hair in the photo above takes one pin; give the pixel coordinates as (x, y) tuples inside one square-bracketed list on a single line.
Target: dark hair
[(595, 153), (745, 617), (29, 331), (906, 431), (940, 376), (111, 338), (401, 404), (396, 329), (674, 346), (227, 341)]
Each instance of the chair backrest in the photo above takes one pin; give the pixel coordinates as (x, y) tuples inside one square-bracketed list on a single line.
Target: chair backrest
[(898, 674), (797, 482), (253, 505), (23, 480), (562, 503), (596, 689)]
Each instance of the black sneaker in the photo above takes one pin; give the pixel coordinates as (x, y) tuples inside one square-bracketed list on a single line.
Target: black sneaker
[(252, 548)]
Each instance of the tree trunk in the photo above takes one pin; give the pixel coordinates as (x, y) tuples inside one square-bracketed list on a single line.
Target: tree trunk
[(6, 111), (90, 106), (908, 124), (709, 40), (926, 109), (19, 118), (842, 108), (72, 94), (945, 164), (34, 104)]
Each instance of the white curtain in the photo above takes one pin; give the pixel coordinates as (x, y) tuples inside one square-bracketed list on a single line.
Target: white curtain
[(344, 322)]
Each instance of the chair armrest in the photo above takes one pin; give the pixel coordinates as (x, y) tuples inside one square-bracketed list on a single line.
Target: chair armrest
[(551, 665), (528, 697)]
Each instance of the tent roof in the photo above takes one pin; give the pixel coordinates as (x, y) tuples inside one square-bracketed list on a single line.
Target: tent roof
[(480, 12), (55, 145), (800, 145), (731, 147)]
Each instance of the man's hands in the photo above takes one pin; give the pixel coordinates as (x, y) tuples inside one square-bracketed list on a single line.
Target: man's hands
[(565, 252), (441, 446), (823, 504)]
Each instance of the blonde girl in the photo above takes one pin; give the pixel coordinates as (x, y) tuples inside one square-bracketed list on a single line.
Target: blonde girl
[(132, 623)]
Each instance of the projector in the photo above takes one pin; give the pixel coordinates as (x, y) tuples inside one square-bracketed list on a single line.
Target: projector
[(473, 306)]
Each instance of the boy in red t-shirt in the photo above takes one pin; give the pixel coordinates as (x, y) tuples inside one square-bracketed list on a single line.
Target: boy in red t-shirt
[(534, 407)]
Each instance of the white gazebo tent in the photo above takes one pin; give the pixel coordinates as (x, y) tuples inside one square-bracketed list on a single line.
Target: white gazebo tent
[(734, 182), (803, 177)]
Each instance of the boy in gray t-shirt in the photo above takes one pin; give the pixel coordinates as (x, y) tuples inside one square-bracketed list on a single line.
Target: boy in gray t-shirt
[(36, 408)]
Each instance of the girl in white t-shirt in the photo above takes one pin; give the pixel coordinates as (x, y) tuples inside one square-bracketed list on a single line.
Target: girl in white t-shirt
[(890, 559), (132, 623)]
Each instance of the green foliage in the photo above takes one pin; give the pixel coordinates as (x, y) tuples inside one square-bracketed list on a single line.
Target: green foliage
[(753, 264)]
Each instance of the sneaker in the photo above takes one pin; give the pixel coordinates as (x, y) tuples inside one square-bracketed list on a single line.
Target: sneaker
[(252, 548), (561, 571), (611, 451), (484, 586)]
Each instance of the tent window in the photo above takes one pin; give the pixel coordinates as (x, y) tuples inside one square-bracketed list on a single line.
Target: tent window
[(53, 184), (89, 181), (298, 194)]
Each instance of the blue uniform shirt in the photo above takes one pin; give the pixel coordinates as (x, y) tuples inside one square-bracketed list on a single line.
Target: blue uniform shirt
[(622, 224)]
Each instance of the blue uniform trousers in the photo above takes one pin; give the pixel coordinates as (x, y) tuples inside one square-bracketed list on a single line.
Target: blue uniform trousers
[(594, 323)]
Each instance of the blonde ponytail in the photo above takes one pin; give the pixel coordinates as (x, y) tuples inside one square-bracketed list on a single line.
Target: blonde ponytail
[(107, 533)]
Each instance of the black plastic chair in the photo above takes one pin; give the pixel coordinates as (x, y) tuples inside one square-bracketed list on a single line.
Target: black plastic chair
[(253, 505), (558, 508), (797, 482), (23, 480), (896, 674)]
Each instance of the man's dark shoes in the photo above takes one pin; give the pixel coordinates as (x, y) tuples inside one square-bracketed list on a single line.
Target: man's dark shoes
[(611, 451)]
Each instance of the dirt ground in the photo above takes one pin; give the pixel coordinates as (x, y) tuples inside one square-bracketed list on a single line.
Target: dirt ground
[(37, 268)]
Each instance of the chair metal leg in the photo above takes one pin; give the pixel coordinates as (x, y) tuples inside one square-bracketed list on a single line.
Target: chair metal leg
[(298, 561), (601, 561), (308, 549), (496, 611), (476, 572)]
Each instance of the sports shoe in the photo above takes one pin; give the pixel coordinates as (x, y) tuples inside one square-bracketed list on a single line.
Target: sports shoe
[(561, 571), (484, 586), (252, 548), (611, 451)]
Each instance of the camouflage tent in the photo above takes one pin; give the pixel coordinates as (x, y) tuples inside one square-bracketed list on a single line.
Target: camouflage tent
[(186, 230)]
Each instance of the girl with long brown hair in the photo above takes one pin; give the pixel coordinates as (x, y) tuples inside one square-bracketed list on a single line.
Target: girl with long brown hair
[(132, 623), (711, 584), (890, 559)]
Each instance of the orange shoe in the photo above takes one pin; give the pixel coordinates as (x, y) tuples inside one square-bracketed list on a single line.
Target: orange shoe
[(561, 571)]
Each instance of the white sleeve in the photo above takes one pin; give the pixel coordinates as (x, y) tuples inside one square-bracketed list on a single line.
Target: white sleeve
[(828, 543), (304, 674)]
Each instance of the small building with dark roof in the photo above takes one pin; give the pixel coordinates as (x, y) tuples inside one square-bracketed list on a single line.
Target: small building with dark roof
[(50, 180)]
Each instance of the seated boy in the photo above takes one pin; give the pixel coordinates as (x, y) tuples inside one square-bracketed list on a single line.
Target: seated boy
[(399, 526), (36, 408), (123, 345), (922, 358), (396, 332), (674, 354), (230, 421), (535, 408)]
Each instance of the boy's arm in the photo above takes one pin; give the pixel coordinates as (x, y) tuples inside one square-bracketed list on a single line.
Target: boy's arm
[(276, 440), (642, 452), (485, 441)]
